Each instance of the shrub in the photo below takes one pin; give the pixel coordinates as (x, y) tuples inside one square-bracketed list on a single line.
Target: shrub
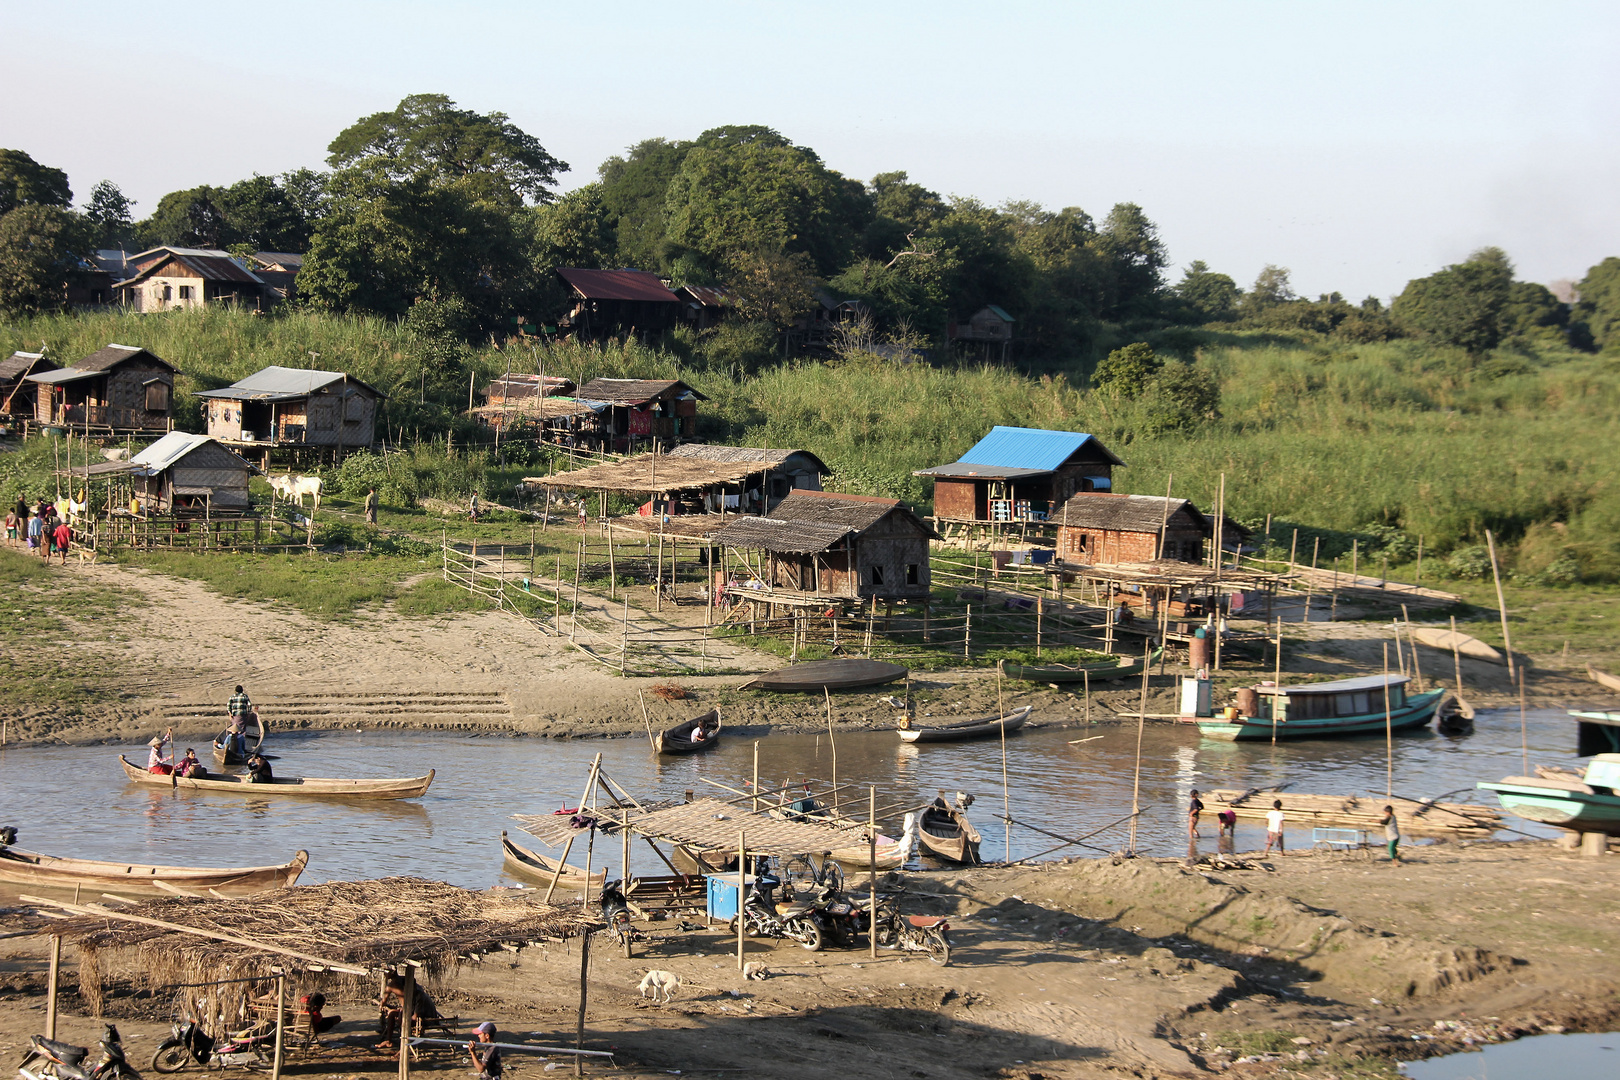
[(1469, 563), (1128, 371)]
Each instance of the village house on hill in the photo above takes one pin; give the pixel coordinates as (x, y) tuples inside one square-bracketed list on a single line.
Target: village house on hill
[(1099, 529), (175, 277), (1018, 475), (119, 388), (641, 410), (990, 328), (185, 472), (838, 546), (517, 398), (17, 395), (279, 407), (610, 303)]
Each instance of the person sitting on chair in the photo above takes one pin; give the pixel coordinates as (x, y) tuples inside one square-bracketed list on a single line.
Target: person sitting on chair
[(393, 1005), (319, 1024)]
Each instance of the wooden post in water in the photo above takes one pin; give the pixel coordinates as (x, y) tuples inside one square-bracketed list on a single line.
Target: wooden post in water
[(1141, 724), (1501, 603), (1001, 722), (1389, 734), (1276, 686), (832, 742)]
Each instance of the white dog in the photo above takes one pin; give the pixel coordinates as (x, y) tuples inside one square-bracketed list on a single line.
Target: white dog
[(661, 984), (755, 971)]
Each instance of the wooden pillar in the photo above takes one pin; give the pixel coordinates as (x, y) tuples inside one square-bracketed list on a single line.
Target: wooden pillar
[(281, 1005), (742, 894), (50, 990), (408, 1008), (584, 977), (871, 848)]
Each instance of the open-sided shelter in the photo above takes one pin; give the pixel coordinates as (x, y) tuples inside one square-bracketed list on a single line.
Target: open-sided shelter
[(832, 545), (17, 394), (182, 471), (794, 470), (291, 407), (1017, 474), (639, 411), (123, 388)]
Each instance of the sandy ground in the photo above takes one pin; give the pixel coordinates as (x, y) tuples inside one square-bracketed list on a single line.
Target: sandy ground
[(1093, 968), (493, 672)]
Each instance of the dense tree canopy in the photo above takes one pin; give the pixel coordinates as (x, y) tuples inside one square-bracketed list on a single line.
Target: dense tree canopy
[(108, 214), (40, 248), (1462, 305), (25, 182), (1599, 305)]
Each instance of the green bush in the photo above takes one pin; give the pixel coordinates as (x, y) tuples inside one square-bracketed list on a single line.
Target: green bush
[(1469, 563)]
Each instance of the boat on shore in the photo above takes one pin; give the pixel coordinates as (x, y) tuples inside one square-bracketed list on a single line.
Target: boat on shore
[(1603, 678), (1454, 716), (844, 674), (21, 867), (1101, 671), (678, 739), (1341, 707), (944, 831), (1588, 803), (328, 787), (530, 865), (984, 727), (1437, 637)]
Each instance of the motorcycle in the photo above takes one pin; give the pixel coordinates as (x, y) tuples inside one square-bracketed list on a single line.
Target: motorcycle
[(929, 934), (846, 919), (188, 1044), (763, 916), (64, 1061), (616, 913)]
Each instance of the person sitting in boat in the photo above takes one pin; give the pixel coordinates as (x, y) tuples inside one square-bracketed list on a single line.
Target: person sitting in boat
[(698, 734), (259, 770), (189, 766), (156, 760)]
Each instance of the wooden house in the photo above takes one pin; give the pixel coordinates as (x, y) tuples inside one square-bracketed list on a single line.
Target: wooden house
[(990, 329), (291, 407), (794, 470), (173, 277), (119, 387), (17, 395), (515, 399), (1019, 474), (610, 303), (640, 410), (838, 546), (703, 306), (1100, 529), (182, 472), (279, 272)]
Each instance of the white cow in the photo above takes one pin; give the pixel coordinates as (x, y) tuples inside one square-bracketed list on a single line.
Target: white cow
[(292, 488)]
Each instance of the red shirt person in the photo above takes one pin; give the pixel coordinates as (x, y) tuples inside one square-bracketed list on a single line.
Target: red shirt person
[(62, 536)]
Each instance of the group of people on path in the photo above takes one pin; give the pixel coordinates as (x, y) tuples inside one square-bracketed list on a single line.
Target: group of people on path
[(1275, 819), (39, 528)]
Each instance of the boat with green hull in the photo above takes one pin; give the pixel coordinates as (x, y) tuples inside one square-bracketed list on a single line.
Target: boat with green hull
[(1589, 803), (1318, 710)]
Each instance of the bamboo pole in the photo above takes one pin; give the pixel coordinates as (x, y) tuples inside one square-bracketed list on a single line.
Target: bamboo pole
[(646, 719), (1039, 604), (406, 1014), (556, 601), (584, 983), (1164, 515), (754, 787), (1276, 684), (50, 990), (1141, 723), (742, 886), (1389, 733), (613, 570), (1524, 729), (1085, 675), (1456, 658), (573, 619), (1501, 603), (871, 870), (1001, 722), (1420, 560), (832, 742), (562, 860), (1417, 669), (281, 1005)]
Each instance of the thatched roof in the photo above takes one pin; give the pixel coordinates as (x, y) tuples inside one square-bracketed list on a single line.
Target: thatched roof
[(1125, 513), (359, 924), (782, 537), (648, 474), (708, 824)]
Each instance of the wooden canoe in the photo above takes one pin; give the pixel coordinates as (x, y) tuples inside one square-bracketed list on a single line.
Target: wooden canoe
[(891, 853), (970, 729), (945, 832), (405, 788), (533, 866), (224, 755), (1437, 637), (678, 739), (1101, 671), (828, 675), (1603, 678), (29, 868)]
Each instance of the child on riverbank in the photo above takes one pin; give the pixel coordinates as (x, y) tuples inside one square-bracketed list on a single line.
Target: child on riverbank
[(1274, 827)]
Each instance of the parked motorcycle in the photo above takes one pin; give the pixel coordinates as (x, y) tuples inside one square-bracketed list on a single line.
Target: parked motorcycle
[(189, 1045), (929, 934), (845, 918), (763, 916), (616, 913), (48, 1058)]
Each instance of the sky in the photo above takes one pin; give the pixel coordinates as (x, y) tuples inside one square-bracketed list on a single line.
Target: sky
[(1358, 144)]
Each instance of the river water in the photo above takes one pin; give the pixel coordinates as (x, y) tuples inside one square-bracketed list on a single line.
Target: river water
[(74, 800), (1534, 1058)]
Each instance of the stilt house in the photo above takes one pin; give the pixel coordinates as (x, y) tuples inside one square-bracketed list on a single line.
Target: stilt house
[(120, 387), (607, 303), (185, 472), (832, 545), (1099, 529), (1019, 474), (641, 410), (280, 407), (17, 394)]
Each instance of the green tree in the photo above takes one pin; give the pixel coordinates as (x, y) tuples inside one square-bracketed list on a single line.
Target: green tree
[(40, 246), (194, 217), (1182, 397), (1128, 372), (772, 286), (1532, 311), (900, 209), (259, 213), (306, 191), (108, 214), (427, 136), (1212, 297), (1131, 243), (1598, 308), (25, 182), (1463, 304), (1271, 287), (634, 194)]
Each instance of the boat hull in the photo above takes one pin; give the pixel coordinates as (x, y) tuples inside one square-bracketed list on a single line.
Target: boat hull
[(1418, 711), (532, 866), (948, 836), (828, 675), (986, 729), (1445, 640), (30, 868), (1083, 673), (305, 786), (676, 740), (1565, 809)]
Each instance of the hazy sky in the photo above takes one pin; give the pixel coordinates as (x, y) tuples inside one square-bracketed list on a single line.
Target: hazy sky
[(1359, 144)]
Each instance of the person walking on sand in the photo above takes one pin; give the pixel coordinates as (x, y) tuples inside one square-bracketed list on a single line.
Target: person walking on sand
[(1195, 806), (1274, 827), (36, 535), (1392, 833), (371, 506), (62, 539)]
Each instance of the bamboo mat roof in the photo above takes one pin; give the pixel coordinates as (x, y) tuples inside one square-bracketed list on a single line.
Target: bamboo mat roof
[(650, 474), (712, 825)]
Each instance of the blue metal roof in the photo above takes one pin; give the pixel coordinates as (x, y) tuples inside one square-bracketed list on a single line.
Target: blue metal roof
[(1029, 448)]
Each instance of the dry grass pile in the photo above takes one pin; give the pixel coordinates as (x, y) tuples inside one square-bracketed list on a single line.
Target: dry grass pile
[(359, 924), (669, 691)]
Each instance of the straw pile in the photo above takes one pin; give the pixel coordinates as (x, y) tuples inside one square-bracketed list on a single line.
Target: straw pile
[(363, 924)]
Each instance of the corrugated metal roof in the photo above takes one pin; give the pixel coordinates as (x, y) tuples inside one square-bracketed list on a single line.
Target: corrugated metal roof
[(633, 391), (965, 469), (283, 384), (283, 260), (707, 295), (1031, 448), (208, 263), (618, 285), (999, 313), (168, 450)]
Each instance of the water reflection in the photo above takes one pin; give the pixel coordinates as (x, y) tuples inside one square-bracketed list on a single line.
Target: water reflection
[(74, 800)]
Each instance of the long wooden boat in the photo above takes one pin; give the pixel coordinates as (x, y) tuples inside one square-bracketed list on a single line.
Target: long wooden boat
[(404, 788), (828, 675), (1437, 637), (521, 862), (984, 727), (891, 853), (678, 739), (1603, 678), (1100, 671), (1341, 707), (1586, 804), (223, 752), (944, 831), (1423, 817), (30, 868)]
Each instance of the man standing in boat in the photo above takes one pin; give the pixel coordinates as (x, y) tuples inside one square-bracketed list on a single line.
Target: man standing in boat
[(240, 708)]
